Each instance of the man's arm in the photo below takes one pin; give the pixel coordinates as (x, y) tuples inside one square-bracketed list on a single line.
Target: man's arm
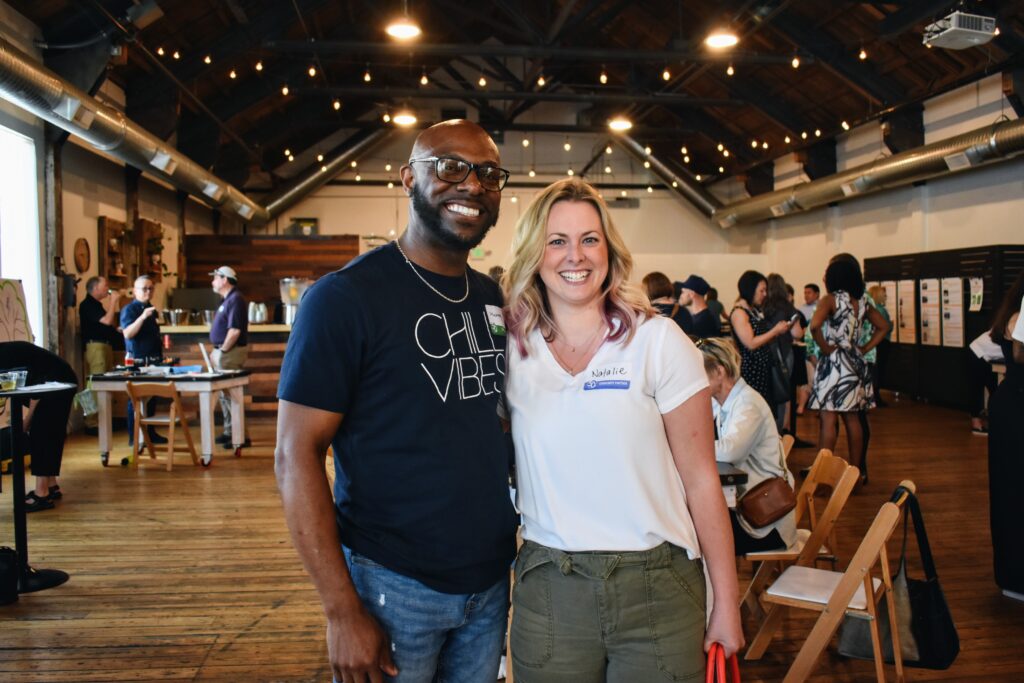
[(230, 339), (110, 306), (133, 329), (357, 645)]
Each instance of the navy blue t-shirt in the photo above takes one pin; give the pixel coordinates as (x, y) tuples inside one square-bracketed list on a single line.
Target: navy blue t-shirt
[(232, 313), (421, 460), (146, 343)]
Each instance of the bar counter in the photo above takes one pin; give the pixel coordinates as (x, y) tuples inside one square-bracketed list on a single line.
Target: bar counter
[(266, 350)]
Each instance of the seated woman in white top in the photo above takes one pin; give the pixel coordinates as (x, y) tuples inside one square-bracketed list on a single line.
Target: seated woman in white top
[(617, 485), (747, 439)]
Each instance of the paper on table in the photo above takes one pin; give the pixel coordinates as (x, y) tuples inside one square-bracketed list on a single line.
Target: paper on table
[(46, 386)]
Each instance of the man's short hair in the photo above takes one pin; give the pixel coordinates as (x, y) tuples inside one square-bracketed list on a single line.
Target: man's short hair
[(91, 283), (815, 288)]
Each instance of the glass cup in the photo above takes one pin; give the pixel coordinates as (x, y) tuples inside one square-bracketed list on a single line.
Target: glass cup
[(8, 381), (21, 376)]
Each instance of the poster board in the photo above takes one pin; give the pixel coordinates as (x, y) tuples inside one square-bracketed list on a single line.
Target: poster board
[(14, 325), (952, 312), (906, 314), (931, 311)]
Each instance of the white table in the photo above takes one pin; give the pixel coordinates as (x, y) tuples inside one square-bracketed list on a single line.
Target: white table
[(204, 385)]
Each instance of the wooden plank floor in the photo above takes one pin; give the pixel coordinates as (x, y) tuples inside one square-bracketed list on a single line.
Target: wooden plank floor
[(190, 575)]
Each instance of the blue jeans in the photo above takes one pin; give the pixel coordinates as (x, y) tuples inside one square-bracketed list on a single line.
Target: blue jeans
[(435, 637)]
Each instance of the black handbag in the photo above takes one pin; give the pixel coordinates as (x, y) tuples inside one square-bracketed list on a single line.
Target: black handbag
[(780, 384), (928, 637)]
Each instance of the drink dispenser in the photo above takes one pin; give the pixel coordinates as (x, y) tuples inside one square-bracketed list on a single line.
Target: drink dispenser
[(292, 289)]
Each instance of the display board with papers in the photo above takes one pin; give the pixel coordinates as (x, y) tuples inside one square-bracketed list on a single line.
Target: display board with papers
[(952, 312), (906, 313), (931, 312)]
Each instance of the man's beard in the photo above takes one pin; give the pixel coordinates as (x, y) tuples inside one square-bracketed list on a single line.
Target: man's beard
[(430, 217)]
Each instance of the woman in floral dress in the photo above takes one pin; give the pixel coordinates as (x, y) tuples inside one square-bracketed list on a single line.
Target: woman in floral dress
[(842, 383)]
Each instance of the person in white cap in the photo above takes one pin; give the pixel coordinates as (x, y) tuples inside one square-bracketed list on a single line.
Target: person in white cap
[(229, 335)]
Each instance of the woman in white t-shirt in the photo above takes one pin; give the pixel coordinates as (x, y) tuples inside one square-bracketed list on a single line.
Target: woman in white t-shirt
[(617, 484)]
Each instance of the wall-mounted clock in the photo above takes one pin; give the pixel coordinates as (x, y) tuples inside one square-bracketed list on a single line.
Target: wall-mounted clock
[(82, 256)]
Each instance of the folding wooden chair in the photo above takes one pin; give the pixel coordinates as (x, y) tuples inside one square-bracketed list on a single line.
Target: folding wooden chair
[(787, 445), (855, 591), (140, 393), (814, 543)]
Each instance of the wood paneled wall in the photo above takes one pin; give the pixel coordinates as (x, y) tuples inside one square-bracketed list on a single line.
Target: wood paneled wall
[(262, 261)]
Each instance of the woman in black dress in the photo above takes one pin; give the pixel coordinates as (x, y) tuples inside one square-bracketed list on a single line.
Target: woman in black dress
[(752, 332), (1006, 446)]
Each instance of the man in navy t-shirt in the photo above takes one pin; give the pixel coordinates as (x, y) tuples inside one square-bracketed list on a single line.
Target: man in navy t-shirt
[(229, 335), (398, 361), (142, 341)]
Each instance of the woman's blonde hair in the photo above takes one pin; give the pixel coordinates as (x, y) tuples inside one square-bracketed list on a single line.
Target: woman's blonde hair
[(526, 302), (876, 292), (720, 352)]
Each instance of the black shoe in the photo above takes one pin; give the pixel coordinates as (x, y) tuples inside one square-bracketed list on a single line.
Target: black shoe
[(224, 439), (55, 492), (156, 438), (35, 503)]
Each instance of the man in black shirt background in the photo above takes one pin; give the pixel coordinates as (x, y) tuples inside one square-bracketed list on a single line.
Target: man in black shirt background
[(705, 322), (98, 316)]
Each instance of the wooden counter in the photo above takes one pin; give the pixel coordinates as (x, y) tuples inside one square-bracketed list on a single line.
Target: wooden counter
[(266, 351)]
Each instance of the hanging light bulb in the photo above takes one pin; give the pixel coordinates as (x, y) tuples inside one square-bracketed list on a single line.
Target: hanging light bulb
[(358, 177), (620, 123), (319, 157), (666, 75), (796, 62), (404, 118), (647, 164), (176, 55), (284, 89), (160, 50), (570, 171), (608, 149), (683, 150), (423, 77), (647, 150), (650, 189), (753, 143), (675, 184), (686, 159), (403, 29), (540, 81), (604, 76), (526, 142), (337, 105), (697, 177), (803, 135), (720, 146), (311, 71), (232, 75), (764, 145), (259, 66), (532, 173), (729, 71), (354, 164), (862, 55), (482, 82), (787, 139), (287, 152), (387, 166), (567, 146), (323, 169), (607, 169), (391, 185), (207, 59), (291, 158), (386, 117), (817, 132), (845, 125), (721, 169), (721, 38), (514, 199), (366, 75), (725, 153)]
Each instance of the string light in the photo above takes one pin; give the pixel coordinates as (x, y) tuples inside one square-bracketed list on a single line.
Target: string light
[(753, 143), (845, 125), (764, 145), (423, 77), (721, 169), (287, 152), (259, 65), (514, 199), (647, 164), (795, 62), (608, 149), (366, 75), (666, 75), (787, 139), (160, 51), (817, 132), (386, 117), (337, 105), (567, 146), (729, 71), (647, 150), (176, 55), (284, 90), (683, 150), (323, 169), (387, 166), (697, 177), (803, 135), (291, 158), (650, 189), (604, 77), (720, 146), (354, 164), (311, 71), (482, 82), (862, 55), (675, 184), (540, 81), (532, 173), (391, 185), (623, 193), (207, 59), (232, 75), (526, 142), (725, 153), (358, 177), (570, 172), (686, 159), (607, 169), (319, 157)]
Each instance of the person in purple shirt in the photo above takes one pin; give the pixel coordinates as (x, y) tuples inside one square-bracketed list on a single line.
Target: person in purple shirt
[(229, 335)]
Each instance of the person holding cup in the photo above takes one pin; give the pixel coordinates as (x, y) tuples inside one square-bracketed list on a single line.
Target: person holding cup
[(142, 340), (98, 316)]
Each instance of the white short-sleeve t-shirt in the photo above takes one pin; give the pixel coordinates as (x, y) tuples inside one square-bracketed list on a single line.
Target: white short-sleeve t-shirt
[(1018, 329), (593, 464)]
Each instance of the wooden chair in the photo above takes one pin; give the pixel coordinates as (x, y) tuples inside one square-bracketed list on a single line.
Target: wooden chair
[(855, 591), (814, 543), (787, 445), (140, 393)]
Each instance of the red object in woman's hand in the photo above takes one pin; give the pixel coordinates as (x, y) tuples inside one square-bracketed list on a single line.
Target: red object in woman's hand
[(716, 670)]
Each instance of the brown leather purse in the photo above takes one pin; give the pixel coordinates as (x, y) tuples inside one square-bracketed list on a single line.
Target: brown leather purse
[(768, 502)]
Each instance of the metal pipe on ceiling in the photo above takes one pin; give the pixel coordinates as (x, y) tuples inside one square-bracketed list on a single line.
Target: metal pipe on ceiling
[(287, 197), (685, 188), (31, 86), (961, 152)]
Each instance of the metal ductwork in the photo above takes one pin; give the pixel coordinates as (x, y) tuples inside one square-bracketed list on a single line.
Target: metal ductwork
[(31, 86), (961, 152), (287, 197), (693, 193)]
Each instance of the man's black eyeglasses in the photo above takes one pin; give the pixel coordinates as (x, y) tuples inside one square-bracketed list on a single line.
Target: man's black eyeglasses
[(451, 170)]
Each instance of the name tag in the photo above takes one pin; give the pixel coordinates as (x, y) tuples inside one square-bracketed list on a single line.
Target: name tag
[(495, 319), (609, 376)]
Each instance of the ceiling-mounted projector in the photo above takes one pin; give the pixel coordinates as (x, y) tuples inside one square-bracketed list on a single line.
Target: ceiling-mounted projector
[(960, 31)]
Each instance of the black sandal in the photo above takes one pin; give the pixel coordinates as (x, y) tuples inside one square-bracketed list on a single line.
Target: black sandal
[(55, 493), (35, 503)]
